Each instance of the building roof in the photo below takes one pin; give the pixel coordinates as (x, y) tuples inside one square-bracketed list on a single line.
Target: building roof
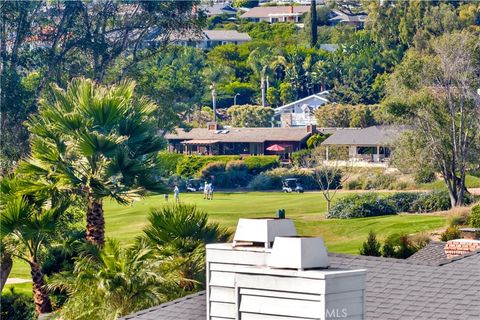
[(266, 12), (226, 35), (241, 134), (214, 35), (371, 136), (320, 96), (347, 18), (217, 9), (396, 289), (434, 252)]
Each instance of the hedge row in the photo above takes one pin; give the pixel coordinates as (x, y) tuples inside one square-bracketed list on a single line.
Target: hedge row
[(372, 204), (188, 166)]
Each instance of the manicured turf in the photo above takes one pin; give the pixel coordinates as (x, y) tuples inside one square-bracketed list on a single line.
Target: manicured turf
[(307, 210)]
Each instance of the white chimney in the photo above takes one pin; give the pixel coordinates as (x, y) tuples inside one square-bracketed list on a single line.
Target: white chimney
[(288, 282)]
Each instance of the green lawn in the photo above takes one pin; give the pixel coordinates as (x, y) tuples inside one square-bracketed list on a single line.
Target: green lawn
[(470, 181), (307, 210)]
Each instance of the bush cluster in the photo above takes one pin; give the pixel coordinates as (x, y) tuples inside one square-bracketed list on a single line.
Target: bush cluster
[(190, 165), (400, 246), (360, 206), (16, 306), (258, 164), (431, 201), (378, 181), (233, 174), (474, 218), (372, 204), (168, 162)]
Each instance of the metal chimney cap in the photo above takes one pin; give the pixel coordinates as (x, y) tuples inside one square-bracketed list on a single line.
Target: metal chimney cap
[(298, 253)]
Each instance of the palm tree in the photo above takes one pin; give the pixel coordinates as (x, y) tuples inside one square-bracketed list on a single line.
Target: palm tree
[(259, 61), (28, 221), (179, 234), (112, 282), (96, 142), (213, 75)]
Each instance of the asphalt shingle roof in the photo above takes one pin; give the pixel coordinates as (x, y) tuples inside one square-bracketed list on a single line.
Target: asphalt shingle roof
[(265, 12), (371, 136), (242, 134), (432, 252), (395, 290)]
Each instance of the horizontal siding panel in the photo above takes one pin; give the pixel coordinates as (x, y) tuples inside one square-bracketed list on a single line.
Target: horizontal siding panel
[(218, 318), (344, 295), (222, 279), (223, 310), (254, 316), (222, 294), (281, 294), (241, 257), (288, 284), (280, 306)]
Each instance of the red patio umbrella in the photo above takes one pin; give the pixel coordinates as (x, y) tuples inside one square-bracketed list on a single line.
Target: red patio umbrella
[(276, 148)]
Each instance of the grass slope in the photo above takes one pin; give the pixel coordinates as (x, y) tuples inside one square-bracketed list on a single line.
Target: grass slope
[(307, 210)]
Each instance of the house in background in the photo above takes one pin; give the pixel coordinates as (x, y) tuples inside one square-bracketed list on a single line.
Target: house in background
[(218, 9), (208, 39), (356, 20), (370, 144), (276, 14), (215, 140), (300, 112)]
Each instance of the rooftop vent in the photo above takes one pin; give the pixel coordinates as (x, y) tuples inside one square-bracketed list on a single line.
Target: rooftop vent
[(263, 230), (298, 253)]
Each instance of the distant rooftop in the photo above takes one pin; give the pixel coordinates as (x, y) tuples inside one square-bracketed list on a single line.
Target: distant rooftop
[(265, 12), (371, 136), (214, 35)]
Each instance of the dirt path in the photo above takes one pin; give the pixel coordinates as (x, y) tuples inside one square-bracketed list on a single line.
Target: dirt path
[(17, 280)]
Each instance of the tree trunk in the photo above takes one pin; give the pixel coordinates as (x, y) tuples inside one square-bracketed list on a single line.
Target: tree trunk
[(5, 268), (42, 301), (95, 222), (313, 24)]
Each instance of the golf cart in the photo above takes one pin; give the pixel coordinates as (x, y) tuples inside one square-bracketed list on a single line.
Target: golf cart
[(195, 185), (292, 185)]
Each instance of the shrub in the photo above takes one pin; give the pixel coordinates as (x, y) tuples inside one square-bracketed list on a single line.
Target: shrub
[(371, 246), (379, 181), (190, 165), (211, 170), (263, 182), (474, 218), (16, 306), (451, 233), (353, 184), (236, 174), (398, 246), (258, 164), (431, 201), (299, 157), (403, 201), (316, 139), (361, 205), (424, 175), (168, 162)]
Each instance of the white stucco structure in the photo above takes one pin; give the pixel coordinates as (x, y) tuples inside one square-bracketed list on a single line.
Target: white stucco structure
[(301, 112)]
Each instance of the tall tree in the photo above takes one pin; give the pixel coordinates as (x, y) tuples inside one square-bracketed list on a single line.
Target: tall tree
[(441, 99), (60, 40), (313, 23), (98, 142)]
